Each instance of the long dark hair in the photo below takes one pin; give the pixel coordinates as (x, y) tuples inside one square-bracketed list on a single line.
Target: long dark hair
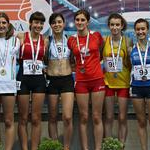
[(118, 16)]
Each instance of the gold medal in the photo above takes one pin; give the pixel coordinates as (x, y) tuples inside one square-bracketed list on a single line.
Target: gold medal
[(3, 72)]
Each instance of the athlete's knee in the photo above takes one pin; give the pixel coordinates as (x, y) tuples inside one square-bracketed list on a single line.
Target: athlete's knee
[(84, 118), (52, 118), (36, 120), (23, 120), (96, 119), (142, 123), (67, 119), (122, 119), (109, 118), (8, 122)]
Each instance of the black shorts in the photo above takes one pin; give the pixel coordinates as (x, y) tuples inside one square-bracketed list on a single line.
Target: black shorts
[(140, 91), (8, 94), (60, 84), (31, 83)]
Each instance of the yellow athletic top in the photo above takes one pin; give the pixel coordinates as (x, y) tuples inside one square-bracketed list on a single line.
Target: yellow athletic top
[(118, 79)]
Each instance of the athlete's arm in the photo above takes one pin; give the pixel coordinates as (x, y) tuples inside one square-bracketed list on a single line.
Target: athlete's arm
[(72, 61), (46, 45), (129, 44), (101, 47), (21, 36)]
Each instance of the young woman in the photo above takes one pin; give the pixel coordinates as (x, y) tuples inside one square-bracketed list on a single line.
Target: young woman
[(140, 81), (31, 80), (9, 46), (117, 75), (61, 80), (86, 46)]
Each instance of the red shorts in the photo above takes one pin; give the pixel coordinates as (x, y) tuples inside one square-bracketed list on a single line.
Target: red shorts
[(120, 92), (90, 86)]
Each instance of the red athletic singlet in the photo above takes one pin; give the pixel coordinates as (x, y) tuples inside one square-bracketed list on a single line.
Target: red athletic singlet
[(26, 52), (92, 59)]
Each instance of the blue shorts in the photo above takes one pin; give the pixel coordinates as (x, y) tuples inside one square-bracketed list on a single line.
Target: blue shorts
[(140, 91)]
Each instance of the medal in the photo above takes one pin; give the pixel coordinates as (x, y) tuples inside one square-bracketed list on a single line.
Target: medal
[(3, 57), (83, 52), (115, 75), (59, 47), (3, 72), (144, 78), (34, 55), (82, 70), (143, 61), (115, 58)]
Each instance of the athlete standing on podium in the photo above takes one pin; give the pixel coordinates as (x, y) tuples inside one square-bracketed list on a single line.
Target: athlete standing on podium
[(86, 46), (140, 81), (32, 80), (61, 85), (9, 47), (117, 75)]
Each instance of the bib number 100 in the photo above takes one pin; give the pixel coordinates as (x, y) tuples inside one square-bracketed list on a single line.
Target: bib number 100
[(33, 67)]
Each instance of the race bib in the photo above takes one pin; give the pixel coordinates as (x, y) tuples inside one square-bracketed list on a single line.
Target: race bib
[(110, 67), (18, 85), (30, 68), (139, 73)]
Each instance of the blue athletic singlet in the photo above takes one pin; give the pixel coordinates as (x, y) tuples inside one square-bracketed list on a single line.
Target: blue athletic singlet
[(135, 61)]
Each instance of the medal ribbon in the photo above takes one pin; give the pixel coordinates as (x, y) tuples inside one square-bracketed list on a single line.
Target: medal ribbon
[(143, 64), (3, 56), (34, 55), (60, 56), (86, 47), (22, 51), (14, 42), (115, 59)]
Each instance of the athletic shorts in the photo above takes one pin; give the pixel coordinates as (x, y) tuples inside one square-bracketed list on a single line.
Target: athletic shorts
[(8, 94), (119, 92), (60, 84), (31, 83), (90, 86), (140, 92)]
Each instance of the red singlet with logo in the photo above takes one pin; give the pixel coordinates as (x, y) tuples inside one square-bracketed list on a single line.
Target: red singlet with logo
[(92, 66)]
